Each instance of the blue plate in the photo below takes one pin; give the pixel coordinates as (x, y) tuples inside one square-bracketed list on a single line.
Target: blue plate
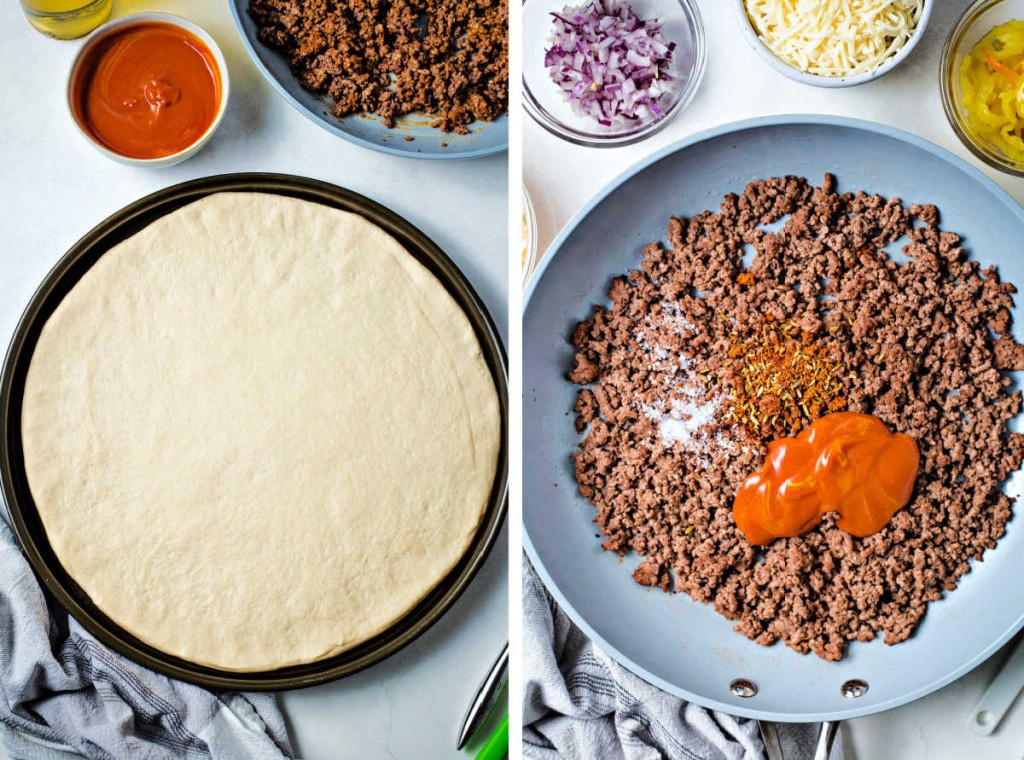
[(484, 138), (681, 646)]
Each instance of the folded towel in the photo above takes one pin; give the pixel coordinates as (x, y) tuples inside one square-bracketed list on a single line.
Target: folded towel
[(578, 703), (65, 695)]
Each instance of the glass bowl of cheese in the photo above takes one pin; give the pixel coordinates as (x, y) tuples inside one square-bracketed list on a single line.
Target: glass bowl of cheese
[(833, 43)]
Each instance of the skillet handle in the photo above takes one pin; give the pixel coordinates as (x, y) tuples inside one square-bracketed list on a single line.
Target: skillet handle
[(770, 739), (773, 747), (1000, 694), (826, 739)]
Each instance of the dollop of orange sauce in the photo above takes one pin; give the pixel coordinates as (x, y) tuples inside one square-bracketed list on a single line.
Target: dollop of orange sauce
[(845, 462), (148, 90)]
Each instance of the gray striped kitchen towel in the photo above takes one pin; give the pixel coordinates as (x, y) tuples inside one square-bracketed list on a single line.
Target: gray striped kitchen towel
[(65, 695), (578, 703)]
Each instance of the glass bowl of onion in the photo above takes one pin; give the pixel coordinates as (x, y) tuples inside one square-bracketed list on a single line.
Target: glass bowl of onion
[(605, 73), (981, 76)]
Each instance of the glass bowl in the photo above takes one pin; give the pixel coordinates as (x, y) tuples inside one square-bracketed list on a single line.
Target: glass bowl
[(544, 101), (530, 254), (976, 22)]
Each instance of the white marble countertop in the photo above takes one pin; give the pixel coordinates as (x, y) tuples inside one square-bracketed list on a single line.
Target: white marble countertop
[(54, 187), (738, 85)]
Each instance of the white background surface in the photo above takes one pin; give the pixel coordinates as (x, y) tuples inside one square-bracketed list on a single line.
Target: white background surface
[(54, 187), (737, 85)]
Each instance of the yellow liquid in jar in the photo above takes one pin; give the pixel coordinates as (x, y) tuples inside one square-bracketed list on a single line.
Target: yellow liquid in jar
[(66, 19)]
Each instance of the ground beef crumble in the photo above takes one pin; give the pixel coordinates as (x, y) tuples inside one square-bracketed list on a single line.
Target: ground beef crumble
[(444, 58), (926, 344)]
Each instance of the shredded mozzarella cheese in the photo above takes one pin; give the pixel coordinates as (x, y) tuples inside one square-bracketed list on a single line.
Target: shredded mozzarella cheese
[(834, 38)]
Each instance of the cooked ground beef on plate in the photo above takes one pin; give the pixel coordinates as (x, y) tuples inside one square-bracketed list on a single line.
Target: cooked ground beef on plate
[(924, 345), (444, 58)]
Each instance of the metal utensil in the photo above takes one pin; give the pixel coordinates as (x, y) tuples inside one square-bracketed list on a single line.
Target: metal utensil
[(486, 696)]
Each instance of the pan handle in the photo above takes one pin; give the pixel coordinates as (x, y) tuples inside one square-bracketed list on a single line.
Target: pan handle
[(1000, 694), (770, 739), (773, 747), (826, 739)]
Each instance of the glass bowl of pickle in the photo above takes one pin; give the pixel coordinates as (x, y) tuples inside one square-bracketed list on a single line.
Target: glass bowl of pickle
[(981, 76)]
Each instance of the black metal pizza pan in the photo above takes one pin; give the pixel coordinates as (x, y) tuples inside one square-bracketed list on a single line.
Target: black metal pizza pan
[(28, 526)]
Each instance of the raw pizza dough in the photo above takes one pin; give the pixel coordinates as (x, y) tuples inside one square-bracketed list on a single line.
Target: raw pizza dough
[(259, 432)]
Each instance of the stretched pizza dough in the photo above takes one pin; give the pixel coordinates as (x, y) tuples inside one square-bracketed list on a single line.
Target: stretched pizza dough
[(259, 432)]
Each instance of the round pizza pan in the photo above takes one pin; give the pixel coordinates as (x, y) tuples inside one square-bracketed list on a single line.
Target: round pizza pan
[(25, 518)]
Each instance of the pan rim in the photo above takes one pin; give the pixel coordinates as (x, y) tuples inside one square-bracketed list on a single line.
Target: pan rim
[(724, 130), (90, 248)]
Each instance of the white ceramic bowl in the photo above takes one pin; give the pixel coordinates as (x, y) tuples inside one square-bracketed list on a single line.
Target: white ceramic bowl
[(165, 18), (817, 80)]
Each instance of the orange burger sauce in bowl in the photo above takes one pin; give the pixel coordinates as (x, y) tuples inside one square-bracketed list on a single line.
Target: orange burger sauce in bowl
[(148, 89)]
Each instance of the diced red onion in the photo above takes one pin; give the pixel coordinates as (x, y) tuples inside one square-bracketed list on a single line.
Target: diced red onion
[(608, 62)]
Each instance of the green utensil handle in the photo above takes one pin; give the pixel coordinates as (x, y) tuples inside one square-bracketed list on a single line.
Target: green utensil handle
[(497, 746)]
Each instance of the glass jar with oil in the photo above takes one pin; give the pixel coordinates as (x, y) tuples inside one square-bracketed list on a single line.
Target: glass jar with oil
[(66, 19)]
